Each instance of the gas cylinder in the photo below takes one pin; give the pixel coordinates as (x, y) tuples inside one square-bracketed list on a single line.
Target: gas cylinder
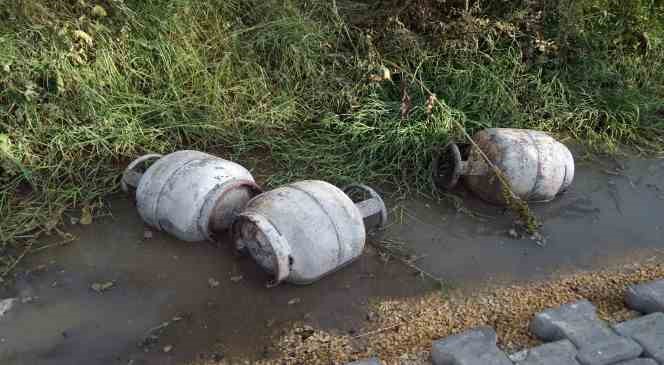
[(536, 166), (189, 194), (305, 230)]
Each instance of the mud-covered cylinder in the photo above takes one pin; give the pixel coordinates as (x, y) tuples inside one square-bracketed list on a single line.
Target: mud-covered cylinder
[(192, 194), (302, 231), (536, 166)]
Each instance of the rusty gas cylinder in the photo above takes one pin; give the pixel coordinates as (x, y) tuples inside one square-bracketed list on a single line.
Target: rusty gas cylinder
[(303, 231), (189, 194), (536, 166)]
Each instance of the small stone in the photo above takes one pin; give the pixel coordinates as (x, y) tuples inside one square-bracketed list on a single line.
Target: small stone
[(235, 279), (294, 301), (213, 283), (102, 287), (6, 305), (6, 68), (168, 348), (513, 233)]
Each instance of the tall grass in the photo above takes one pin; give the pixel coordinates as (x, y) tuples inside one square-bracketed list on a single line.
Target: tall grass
[(299, 89)]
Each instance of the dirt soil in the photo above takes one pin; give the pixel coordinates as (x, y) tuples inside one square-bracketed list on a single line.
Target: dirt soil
[(118, 296)]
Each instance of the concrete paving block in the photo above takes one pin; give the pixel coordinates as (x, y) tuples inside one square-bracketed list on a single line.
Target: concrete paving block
[(563, 322), (474, 347), (371, 361), (646, 297), (639, 361), (609, 352), (596, 342), (647, 331), (554, 353)]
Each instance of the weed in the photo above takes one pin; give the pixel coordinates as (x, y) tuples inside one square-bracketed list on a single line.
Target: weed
[(290, 85)]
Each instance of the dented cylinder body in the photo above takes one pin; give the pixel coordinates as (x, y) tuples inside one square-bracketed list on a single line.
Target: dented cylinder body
[(302, 231), (536, 166), (192, 194)]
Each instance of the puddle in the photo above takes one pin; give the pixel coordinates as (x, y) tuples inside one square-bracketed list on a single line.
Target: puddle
[(603, 218), (205, 302), (220, 301)]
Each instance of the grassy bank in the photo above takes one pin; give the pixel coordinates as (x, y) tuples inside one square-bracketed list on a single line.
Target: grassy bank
[(321, 89)]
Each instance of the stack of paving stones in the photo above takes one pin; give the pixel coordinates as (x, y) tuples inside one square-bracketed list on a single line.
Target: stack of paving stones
[(573, 335)]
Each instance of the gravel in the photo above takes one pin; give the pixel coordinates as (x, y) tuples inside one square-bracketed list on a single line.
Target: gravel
[(410, 326)]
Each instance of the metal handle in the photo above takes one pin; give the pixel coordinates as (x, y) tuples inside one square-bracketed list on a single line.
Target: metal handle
[(280, 251), (449, 159), (372, 206), (131, 177)]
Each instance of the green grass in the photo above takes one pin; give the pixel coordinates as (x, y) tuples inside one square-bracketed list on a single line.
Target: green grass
[(290, 88)]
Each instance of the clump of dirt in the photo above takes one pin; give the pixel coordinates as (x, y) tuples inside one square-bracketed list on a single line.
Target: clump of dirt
[(403, 327)]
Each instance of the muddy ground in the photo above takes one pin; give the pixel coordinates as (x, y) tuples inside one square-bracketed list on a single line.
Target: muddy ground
[(201, 301)]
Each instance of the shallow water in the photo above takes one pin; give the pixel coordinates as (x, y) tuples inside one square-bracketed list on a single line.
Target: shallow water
[(604, 219)]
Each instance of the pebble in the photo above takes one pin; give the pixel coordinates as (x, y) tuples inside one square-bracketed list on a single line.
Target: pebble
[(6, 305), (102, 287)]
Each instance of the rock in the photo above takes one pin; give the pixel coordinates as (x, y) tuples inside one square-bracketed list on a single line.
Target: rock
[(102, 287), (597, 344), (168, 348), (554, 353), (213, 283), (647, 297), (647, 331), (474, 347), (6, 305), (294, 301), (236, 279), (371, 361)]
